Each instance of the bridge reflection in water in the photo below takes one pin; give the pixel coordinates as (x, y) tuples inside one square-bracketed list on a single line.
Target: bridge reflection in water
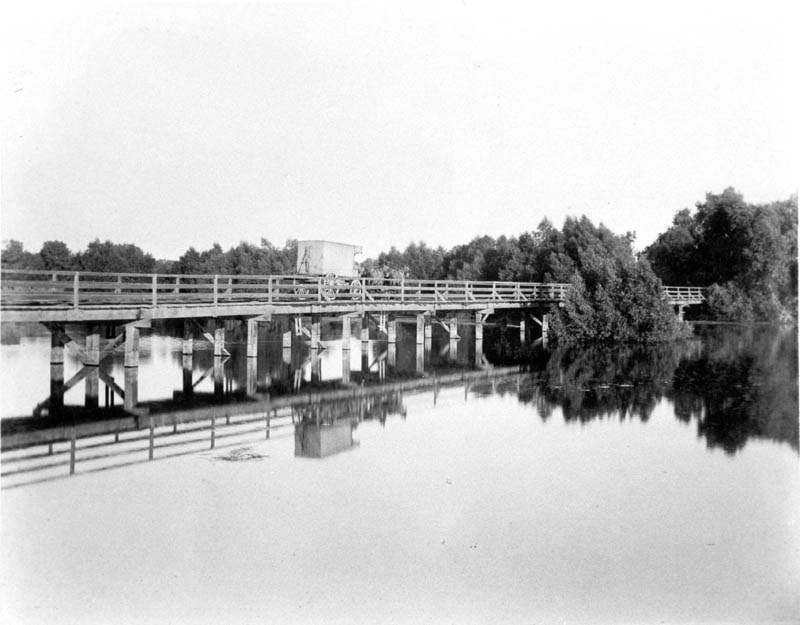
[(735, 385), (81, 440)]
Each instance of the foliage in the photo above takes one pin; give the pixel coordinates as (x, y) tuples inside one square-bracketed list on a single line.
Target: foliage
[(614, 299), (108, 256), (746, 254)]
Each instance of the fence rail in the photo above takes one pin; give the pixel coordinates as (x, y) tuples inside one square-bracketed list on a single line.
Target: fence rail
[(28, 288)]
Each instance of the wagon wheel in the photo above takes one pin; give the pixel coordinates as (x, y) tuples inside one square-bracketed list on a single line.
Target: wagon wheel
[(301, 289), (329, 288), (356, 289)]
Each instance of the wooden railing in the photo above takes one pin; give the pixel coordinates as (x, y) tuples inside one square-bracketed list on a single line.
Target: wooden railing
[(27, 288), (78, 289), (684, 294)]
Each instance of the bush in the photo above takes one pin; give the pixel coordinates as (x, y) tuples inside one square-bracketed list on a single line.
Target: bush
[(615, 300)]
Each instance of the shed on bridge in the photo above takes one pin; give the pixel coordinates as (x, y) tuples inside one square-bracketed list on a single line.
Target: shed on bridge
[(327, 257)]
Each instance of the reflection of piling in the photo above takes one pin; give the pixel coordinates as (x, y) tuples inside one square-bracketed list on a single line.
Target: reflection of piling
[(252, 375), (92, 363), (132, 387), (219, 377), (188, 387)]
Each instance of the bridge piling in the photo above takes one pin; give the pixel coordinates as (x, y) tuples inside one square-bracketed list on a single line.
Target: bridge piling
[(219, 337), (131, 346), (252, 339), (187, 347), (364, 329), (316, 331), (132, 387), (92, 363)]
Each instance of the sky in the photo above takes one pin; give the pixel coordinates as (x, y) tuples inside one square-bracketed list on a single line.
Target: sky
[(378, 124)]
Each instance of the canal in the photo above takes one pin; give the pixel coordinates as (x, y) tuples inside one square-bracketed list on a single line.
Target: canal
[(459, 483)]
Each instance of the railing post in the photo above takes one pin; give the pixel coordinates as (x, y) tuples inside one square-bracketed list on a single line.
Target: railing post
[(269, 289), (75, 288), (402, 289), (319, 289), (216, 284), (177, 285), (154, 280)]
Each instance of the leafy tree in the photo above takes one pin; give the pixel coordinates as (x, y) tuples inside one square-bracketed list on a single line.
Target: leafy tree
[(614, 299), (14, 256), (56, 255), (746, 254), (114, 257)]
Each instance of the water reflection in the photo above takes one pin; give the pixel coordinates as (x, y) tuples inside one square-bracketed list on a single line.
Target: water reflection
[(733, 383)]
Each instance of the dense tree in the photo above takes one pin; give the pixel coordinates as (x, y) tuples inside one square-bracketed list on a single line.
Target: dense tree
[(614, 299), (746, 254), (120, 257), (56, 255), (14, 256)]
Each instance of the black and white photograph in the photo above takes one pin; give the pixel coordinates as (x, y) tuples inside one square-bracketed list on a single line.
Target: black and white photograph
[(451, 313)]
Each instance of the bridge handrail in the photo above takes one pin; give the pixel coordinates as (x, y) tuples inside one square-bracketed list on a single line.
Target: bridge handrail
[(78, 288)]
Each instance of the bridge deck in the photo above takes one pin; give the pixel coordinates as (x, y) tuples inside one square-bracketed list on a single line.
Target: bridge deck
[(53, 296)]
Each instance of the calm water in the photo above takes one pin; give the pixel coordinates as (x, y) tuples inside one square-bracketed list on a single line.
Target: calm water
[(605, 485)]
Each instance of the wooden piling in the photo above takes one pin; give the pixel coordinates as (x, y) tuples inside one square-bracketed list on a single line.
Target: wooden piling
[(131, 346), (252, 338), (187, 348), (316, 332), (131, 387), (219, 337)]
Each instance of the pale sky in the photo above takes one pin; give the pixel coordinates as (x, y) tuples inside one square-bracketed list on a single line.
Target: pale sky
[(172, 125)]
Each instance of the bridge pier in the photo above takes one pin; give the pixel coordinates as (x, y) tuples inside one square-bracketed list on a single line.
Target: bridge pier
[(219, 337), (681, 308), (347, 331), (452, 326), (252, 339), (131, 387), (364, 329), (346, 362), (316, 332), (420, 329), (187, 347), (92, 363), (391, 330)]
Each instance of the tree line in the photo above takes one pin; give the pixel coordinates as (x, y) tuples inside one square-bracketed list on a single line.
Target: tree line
[(745, 253)]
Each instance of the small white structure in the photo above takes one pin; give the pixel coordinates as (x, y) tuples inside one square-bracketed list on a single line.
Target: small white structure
[(327, 258)]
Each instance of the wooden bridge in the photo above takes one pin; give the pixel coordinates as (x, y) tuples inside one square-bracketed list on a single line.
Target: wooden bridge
[(94, 314), (64, 297)]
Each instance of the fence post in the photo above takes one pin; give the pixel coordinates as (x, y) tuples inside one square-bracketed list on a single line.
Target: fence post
[(154, 281), (75, 287), (216, 282)]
